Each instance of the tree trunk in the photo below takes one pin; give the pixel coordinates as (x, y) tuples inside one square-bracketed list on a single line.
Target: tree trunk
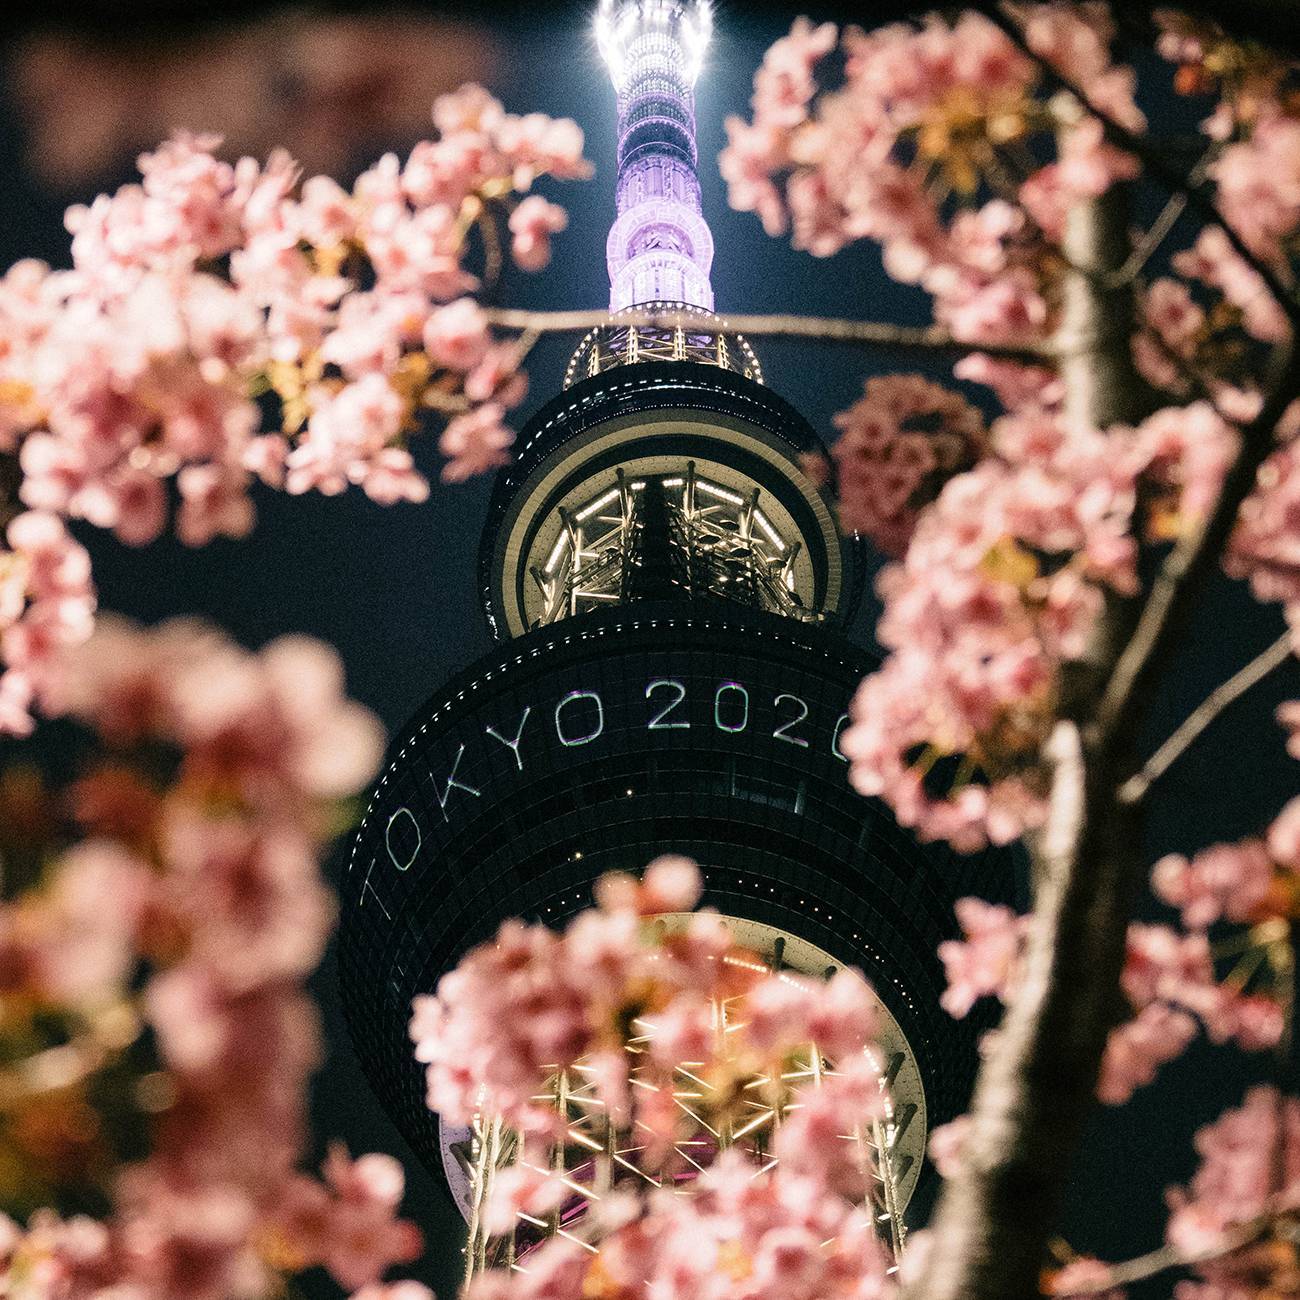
[(1035, 1089)]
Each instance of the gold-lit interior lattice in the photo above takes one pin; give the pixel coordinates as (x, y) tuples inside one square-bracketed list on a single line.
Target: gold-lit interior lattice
[(716, 1110), (721, 542)]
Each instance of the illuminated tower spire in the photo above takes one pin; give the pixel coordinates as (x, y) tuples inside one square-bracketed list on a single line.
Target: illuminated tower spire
[(660, 248)]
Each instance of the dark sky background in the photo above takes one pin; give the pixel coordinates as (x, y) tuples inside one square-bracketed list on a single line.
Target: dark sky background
[(394, 588)]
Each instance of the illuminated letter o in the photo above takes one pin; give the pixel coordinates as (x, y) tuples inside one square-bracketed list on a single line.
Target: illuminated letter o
[(571, 698), (388, 839)]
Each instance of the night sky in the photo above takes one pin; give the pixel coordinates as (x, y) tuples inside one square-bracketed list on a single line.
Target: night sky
[(394, 588)]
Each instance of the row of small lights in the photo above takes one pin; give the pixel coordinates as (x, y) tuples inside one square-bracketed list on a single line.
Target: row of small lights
[(742, 343)]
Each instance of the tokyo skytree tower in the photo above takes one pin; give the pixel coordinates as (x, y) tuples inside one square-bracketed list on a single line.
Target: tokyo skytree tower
[(667, 588)]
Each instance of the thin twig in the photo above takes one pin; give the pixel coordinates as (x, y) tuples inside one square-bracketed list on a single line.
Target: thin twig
[(1151, 240), (1158, 231), (1136, 787), (927, 338), (1181, 182)]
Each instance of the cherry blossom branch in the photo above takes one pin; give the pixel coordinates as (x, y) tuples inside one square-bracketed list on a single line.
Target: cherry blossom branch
[(1035, 1088), (1272, 22), (1195, 556), (1199, 195), (1164, 1258), (1135, 788), (825, 329)]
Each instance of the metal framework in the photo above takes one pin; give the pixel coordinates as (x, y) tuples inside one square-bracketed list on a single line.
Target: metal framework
[(596, 1156), (715, 542), (698, 336)]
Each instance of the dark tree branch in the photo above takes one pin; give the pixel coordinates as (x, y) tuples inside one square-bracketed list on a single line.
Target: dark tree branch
[(1191, 562), (1200, 196), (861, 333), (1035, 1089)]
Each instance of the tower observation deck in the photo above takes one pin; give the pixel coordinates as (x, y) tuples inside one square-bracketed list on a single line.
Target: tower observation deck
[(666, 588)]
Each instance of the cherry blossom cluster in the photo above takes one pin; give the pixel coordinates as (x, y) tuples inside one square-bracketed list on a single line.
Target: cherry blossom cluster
[(1001, 585), (1250, 1167), (617, 987), (532, 1002), (1008, 543), (1247, 78), (1250, 882), (1169, 983), (1233, 1226), (739, 1235), (47, 603), (899, 443), (929, 119), (156, 1032), (227, 323)]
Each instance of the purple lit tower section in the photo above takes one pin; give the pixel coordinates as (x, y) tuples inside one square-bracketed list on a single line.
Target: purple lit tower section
[(660, 248)]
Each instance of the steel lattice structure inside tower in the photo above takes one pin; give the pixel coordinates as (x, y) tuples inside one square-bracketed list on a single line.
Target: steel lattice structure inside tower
[(667, 588)]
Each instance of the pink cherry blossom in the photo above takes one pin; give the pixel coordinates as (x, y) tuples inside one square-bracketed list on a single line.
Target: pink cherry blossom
[(475, 442), (683, 1032), (1138, 1048), (47, 604), (88, 944), (1077, 40), (1288, 715), (1265, 547), (1214, 261), (265, 913), (899, 443), (1283, 837), (670, 884), (1083, 1273), (950, 729), (1259, 184), (736, 1238), (1250, 1162), (752, 155), (522, 1188), (180, 1242), (1174, 326), (211, 282), (984, 962), (1225, 880), (532, 224), (456, 336), (946, 1143), (362, 1235), (784, 84), (1016, 386)]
